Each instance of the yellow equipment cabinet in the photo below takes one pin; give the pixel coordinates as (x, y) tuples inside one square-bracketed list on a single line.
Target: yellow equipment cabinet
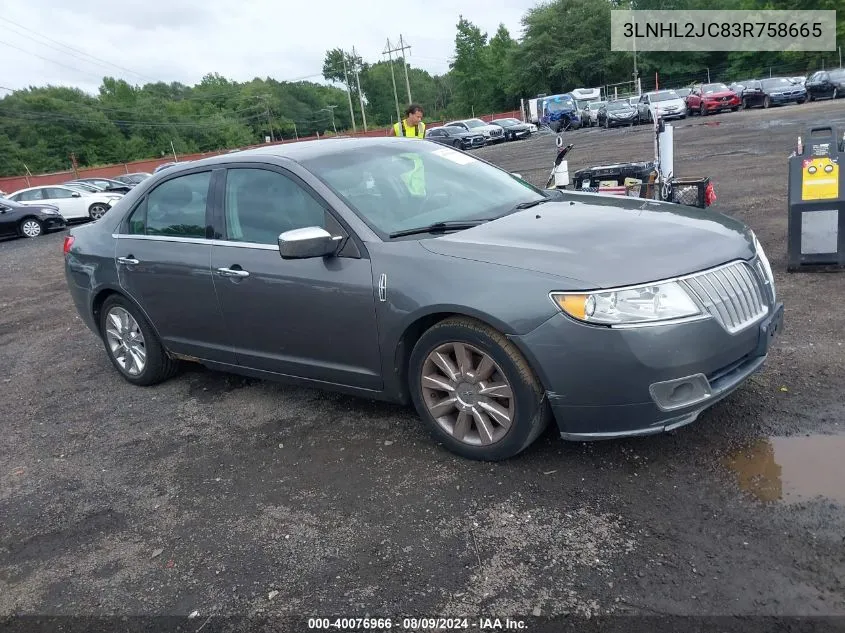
[(816, 201)]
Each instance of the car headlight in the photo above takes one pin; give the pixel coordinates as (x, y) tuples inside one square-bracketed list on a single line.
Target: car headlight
[(651, 303), (114, 197), (764, 262), (49, 212)]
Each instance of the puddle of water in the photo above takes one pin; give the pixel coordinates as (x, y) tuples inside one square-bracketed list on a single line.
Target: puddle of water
[(792, 469)]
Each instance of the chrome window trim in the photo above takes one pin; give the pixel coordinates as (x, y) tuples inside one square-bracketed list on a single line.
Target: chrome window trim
[(195, 240)]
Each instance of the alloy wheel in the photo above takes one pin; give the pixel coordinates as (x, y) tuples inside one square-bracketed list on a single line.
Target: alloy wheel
[(31, 228), (97, 211), (126, 341), (467, 394)]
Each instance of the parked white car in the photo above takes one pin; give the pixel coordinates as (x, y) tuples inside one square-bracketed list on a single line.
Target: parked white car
[(73, 203), (492, 133), (666, 104)]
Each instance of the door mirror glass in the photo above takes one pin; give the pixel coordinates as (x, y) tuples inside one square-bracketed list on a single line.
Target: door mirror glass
[(311, 241), (76, 194)]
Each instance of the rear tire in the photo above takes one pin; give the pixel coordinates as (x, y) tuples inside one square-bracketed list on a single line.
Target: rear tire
[(482, 415), (131, 339), (97, 210)]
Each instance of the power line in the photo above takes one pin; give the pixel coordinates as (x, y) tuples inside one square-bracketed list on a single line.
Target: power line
[(53, 117), (97, 60), (47, 59)]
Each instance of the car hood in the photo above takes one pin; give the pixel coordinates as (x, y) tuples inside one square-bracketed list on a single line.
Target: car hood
[(621, 113), (719, 95), (601, 241), (676, 103)]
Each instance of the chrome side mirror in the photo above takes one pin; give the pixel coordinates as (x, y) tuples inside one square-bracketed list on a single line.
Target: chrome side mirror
[(307, 242)]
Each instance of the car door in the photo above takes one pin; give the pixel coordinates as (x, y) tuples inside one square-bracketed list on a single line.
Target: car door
[(310, 318), (163, 258), (72, 204), (694, 99), (754, 94), (9, 219), (643, 109), (812, 85)]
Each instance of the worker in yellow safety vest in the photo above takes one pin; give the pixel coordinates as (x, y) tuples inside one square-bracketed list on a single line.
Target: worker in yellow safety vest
[(412, 126)]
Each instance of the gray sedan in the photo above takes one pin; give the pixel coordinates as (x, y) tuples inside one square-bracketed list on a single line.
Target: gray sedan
[(402, 270)]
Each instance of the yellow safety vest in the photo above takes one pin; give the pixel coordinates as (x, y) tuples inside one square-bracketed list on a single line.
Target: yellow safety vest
[(403, 129)]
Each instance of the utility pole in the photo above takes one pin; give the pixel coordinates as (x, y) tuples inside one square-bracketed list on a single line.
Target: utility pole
[(388, 51), (265, 98), (402, 47), (331, 109), (357, 67), (348, 94)]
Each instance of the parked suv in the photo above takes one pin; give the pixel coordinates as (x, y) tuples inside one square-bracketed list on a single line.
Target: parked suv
[(826, 84), (709, 98)]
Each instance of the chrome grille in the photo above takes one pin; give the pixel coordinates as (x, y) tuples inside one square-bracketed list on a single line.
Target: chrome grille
[(732, 295)]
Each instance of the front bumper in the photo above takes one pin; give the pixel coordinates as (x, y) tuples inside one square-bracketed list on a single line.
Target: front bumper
[(53, 223), (677, 114), (600, 382), (717, 106), (620, 121), (793, 98)]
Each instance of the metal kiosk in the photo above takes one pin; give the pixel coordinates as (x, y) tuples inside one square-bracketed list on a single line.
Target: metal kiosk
[(816, 202)]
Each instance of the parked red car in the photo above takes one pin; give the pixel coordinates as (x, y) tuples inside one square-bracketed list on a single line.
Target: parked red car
[(708, 98)]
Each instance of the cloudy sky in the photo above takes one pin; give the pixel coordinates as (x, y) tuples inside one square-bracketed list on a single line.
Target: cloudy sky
[(181, 40)]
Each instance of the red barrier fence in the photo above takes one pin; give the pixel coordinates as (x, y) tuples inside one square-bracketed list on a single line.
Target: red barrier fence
[(11, 184)]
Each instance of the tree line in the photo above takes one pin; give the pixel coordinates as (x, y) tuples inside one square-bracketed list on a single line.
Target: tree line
[(565, 44)]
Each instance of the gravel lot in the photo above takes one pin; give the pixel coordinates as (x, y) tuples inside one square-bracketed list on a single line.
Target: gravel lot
[(223, 495)]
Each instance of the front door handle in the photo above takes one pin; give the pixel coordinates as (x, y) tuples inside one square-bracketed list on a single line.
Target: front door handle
[(232, 272), (129, 261)]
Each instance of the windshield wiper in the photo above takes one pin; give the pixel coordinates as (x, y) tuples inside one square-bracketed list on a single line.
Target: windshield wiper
[(440, 226), (532, 203)]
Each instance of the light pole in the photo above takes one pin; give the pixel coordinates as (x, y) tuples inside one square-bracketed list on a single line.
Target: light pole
[(330, 109)]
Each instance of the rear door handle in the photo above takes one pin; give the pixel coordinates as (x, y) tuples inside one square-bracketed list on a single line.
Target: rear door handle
[(129, 261), (232, 272)]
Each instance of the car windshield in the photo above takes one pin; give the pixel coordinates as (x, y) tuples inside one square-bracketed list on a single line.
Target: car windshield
[(474, 123), (777, 82), (394, 187), (557, 104), (665, 95), (711, 88), (597, 105), (618, 105)]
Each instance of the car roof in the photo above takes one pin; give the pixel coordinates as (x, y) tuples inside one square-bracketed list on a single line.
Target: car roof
[(302, 150)]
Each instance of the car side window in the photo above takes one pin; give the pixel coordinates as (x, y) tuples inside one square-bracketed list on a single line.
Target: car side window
[(27, 196), (56, 193), (175, 208), (260, 204)]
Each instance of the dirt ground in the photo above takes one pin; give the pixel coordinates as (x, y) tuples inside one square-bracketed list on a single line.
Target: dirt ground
[(216, 495)]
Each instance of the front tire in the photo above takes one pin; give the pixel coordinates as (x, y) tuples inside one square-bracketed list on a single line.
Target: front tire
[(31, 227), (475, 391), (132, 345)]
